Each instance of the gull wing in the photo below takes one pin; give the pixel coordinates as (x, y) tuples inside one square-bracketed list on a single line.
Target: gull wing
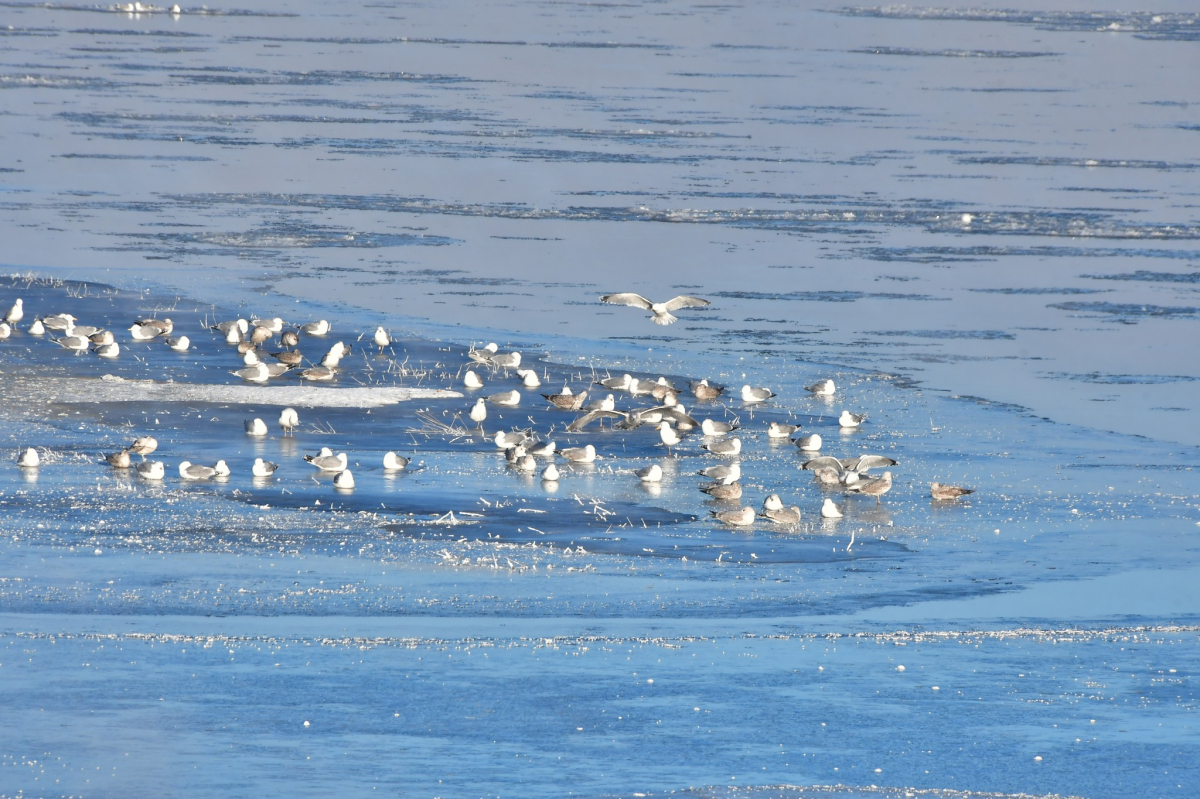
[(865, 463), (588, 418), (683, 301), (629, 298), (823, 462)]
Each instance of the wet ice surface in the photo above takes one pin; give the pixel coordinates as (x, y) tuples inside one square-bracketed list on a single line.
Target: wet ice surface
[(467, 177)]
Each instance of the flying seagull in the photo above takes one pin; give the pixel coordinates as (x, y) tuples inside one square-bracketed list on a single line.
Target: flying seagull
[(661, 310)]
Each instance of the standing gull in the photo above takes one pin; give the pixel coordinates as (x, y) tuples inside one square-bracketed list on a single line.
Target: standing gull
[(661, 310), (382, 339), (16, 313), (873, 487), (289, 420), (479, 412), (668, 435), (143, 446)]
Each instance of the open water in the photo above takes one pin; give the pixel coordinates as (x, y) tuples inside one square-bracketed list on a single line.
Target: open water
[(980, 222)]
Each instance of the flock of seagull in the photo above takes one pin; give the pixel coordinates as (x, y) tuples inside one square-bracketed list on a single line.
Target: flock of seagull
[(669, 417)]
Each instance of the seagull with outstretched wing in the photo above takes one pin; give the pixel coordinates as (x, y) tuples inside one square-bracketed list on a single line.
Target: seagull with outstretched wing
[(661, 310)]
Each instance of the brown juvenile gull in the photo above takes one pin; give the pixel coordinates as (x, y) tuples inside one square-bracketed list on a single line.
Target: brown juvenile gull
[(565, 400), (774, 509), (742, 517), (722, 491), (704, 391), (873, 487), (661, 310), (944, 492)]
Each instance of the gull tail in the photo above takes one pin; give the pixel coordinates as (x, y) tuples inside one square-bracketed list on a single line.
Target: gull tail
[(665, 319)]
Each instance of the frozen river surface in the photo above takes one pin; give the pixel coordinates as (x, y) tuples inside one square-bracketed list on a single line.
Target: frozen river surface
[(980, 223)]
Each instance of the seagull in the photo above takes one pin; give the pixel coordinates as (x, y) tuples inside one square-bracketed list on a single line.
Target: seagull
[(780, 430), (318, 328), (753, 394), (774, 510), (809, 443), (254, 374), (143, 446), (5, 330), (848, 419), (289, 357), (288, 338), (541, 449), (509, 398), (289, 420), (395, 463), (152, 470), (479, 412), (668, 435), (510, 440), (233, 336), (651, 474), (609, 403), (704, 391), (62, 321), (829, 510), (328, 463), (525, 463), (16, 313), (240, 325), (742, 517), (36, 328), (119, 459), (943, 492), (529, 378), (256, 427), (194, 471), (580, 454), (723, 473), (108, 350), (711, 428), (29, 458), (822, 388), (101, 338), (873, 487), (180, 344), (144, 332), (274, 325), (617, 383), (826, 476), (221, 468), (250, 357), (163, 326), (382, 339), (483, 355), (515, 454), (343, 480), (263, 468), (317, 373), (335, 355), (509, 360), (75, 343), (722, 491), (472, 380), (566, 400), (661, 310), (550, 475), (260, 335), (724, 446)]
